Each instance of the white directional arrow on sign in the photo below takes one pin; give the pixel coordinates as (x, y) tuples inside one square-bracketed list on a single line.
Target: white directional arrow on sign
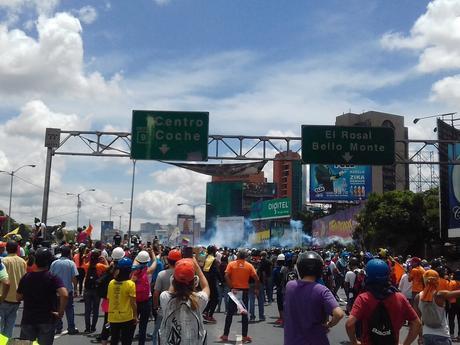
[(347, 156), (164, 148)]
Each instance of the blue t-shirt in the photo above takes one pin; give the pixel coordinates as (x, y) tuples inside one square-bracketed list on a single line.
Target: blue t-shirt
[(159, 268), (65, 269), (306, 308)]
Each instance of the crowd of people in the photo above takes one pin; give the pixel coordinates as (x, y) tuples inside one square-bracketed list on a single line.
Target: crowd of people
[(180, 288)]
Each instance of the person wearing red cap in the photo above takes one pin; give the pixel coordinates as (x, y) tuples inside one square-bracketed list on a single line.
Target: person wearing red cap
[(163, 283), (183, 303), (416, 277)]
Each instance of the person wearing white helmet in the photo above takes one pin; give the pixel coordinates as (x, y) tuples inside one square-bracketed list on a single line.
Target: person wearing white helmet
[(118, 253), (278, 282), (142, 271)]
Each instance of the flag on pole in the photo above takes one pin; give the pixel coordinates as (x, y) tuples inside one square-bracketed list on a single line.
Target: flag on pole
[(398, 271), (14, 232), (89, 229)]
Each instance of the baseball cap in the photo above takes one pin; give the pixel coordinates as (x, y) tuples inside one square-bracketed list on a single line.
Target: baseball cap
[(174, 255), (184, 271)]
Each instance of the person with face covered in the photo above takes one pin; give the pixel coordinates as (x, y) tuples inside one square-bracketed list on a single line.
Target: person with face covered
[(430, 305)]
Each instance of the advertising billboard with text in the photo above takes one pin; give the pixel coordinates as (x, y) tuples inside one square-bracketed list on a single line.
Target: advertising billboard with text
[(340, 183)]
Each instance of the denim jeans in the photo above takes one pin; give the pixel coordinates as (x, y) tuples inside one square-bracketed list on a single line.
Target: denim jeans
[(92, 301), (69, 314), (143, 312), (260, 301), (269, 290), (43, 332), (223, 295), (8, 312), (431, 339), (156, 327)]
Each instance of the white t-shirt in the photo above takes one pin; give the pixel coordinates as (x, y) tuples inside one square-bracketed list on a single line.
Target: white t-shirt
[(350, 278), (405, 286)]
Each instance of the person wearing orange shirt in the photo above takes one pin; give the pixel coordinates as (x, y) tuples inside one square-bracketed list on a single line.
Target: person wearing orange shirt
[(237, 275), (416, 276), (93, 270)]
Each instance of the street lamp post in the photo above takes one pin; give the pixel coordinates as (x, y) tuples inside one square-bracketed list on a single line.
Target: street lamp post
[(11, 173), (79, 202), (193, 219), (110, 209)]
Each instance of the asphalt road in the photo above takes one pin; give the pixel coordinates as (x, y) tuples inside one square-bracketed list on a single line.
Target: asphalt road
[(263, 333)]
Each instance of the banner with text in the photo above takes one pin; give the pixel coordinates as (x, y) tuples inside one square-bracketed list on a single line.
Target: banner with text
[(338, 225), (340, 183), (271, 209), (454, 192)]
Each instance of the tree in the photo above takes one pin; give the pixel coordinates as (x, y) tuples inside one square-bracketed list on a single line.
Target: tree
[(401, 220)]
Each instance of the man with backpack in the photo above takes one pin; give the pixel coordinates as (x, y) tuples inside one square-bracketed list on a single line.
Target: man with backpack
[(354, 282), (66, 269), (162, 283), (382, 310), (308, 305)]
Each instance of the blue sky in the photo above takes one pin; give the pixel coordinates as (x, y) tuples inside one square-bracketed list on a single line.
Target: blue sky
[(258, 67)]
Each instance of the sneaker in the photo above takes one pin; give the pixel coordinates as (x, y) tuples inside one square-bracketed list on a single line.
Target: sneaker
[(247, 340), (262, 318), (73, 331), (211, 319), (58, 331), (279, 321), (224, 338)]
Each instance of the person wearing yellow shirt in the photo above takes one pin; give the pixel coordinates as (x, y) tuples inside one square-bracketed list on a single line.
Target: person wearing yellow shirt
[(122, 304)]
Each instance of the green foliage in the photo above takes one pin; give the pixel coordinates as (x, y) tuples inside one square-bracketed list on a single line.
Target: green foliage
[(401, 220)]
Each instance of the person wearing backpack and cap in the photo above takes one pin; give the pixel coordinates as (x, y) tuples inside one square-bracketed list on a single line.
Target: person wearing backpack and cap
[(140, 276), (430, 305), (382, 310), (182, 306), (162, 283), (308, 304)]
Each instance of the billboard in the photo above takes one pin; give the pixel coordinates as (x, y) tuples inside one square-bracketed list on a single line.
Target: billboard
[(185, 224), (106, 228), (229, 231), (339, 183), (338, 225), (454, 192), (271, 209)]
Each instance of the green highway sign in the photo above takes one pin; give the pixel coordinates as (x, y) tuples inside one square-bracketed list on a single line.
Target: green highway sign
[(170, 135), (271, 209), (348, 145)]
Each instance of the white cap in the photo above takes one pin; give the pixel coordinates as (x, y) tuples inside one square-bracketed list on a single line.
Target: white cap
[(280, 257), (118, 253), (143, 257)]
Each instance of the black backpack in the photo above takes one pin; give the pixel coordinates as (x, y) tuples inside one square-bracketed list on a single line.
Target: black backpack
[(380, 327), (102, 284), (91, 278)]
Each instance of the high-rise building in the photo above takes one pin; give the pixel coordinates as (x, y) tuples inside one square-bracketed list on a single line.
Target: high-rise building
[(388, 177), (287, 175)]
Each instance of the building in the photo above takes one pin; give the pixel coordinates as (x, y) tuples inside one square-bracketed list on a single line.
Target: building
[(287, 175), (231, 196), (388, 177)]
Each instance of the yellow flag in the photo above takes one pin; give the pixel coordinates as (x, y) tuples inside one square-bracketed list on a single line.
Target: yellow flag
[(11, 233)]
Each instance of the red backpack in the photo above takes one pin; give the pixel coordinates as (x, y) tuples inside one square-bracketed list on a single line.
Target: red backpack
[(142, 285)]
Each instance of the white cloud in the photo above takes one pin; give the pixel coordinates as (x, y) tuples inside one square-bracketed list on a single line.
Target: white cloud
[(87, 14), (52, 65), (35, 116), (436, 34), (43, 7), (162, 2)]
